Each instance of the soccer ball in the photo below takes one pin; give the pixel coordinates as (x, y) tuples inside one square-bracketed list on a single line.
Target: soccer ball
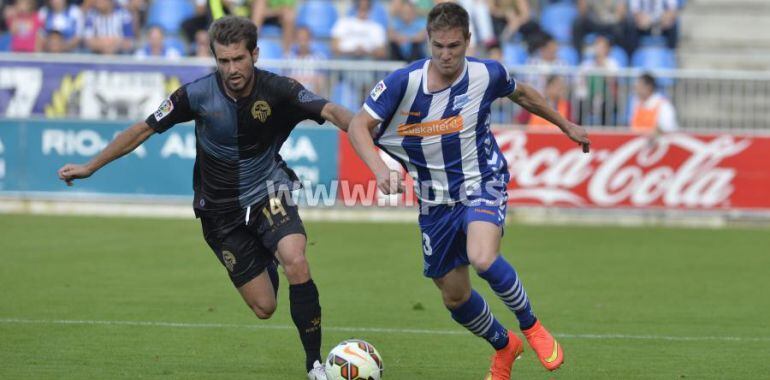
[(353, 360)]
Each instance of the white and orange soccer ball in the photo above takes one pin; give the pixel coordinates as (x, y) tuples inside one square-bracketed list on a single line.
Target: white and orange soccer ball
[(354, 359)]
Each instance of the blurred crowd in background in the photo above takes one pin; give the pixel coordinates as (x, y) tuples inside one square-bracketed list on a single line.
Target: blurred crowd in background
[(591, 34), (607, 33)]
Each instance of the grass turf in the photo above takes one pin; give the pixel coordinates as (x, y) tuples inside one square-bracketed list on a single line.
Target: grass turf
[(628, 302)]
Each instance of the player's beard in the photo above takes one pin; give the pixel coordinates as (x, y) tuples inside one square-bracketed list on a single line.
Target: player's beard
[(237, 88)]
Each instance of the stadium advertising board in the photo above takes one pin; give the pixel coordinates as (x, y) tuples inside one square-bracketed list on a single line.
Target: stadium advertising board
[(95, 91), (32, 151), (680, 171)]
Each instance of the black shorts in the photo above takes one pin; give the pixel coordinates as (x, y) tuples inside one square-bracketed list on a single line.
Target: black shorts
[(246, 245)]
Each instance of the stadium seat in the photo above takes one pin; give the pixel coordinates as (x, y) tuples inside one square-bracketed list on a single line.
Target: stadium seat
[(568, 54), (270, 31), (317, 15), (344, 93), (514, 54), (377, 14), (557, 20), (270, 49), (169, 14), (323, 48), (652, 57), (5, 41), (178, 44), (619, 54)]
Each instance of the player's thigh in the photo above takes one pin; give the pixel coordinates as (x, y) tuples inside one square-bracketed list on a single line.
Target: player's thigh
[(483, 230), (259, 295), (443, 241), (240, 252), (455, 286), (282, 232)]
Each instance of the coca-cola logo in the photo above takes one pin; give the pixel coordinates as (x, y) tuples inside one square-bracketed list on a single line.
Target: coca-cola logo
[(640, 172)]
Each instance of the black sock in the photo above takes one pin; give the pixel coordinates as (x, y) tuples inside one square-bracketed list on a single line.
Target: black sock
[(306, 314)]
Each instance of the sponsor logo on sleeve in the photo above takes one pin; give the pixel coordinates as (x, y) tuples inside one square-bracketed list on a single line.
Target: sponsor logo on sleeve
[(378, 90), (306, 96), (164, 110)]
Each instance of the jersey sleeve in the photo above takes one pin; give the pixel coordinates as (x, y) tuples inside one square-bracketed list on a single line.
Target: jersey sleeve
[(176, 109), (384, 98), (305, 101), (502, 82)]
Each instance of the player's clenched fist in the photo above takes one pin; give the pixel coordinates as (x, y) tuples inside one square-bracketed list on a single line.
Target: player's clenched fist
[(389, 181), (69, 172)]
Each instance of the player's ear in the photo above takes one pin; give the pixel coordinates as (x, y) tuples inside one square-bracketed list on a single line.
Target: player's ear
[(255, 54)]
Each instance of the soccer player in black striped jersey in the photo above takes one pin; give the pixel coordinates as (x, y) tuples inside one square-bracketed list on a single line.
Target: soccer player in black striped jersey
[(242, 117)]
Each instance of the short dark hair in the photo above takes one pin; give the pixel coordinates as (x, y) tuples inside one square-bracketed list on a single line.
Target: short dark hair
[(649, 80), (232, 30), (448, 16)]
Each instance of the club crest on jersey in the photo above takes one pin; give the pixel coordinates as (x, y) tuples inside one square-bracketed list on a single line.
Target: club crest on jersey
[(229, 260), (164, 109), (460, 101), (378, 90), (261, 110)]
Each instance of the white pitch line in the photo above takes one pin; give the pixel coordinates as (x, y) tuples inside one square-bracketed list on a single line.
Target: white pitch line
[(369, 330)]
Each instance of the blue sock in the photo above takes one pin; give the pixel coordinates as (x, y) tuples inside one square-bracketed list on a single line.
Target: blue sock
[(505, 282), (474, 314)]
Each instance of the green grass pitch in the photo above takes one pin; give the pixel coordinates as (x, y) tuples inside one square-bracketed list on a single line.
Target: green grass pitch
[(104, 298)]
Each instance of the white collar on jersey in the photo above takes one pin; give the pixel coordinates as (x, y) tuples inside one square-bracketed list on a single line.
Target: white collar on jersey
[(425, 77)]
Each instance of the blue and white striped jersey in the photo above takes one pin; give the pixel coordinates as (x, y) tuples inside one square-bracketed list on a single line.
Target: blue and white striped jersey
[(443, 138)]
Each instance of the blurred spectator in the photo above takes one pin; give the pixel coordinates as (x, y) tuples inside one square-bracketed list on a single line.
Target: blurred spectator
[(157, 46), (276, 12), (138, 11), (511, 17), (25, 26), (545, 57), (482, 32), (606, 17), (651, 113), (303, 51), (201, 45), (358, 36), (422, 7), (109, 29), (205, 12), (407, 34), (556, 96), (66, 20), (598, 92), (54, 42), (656, 18)]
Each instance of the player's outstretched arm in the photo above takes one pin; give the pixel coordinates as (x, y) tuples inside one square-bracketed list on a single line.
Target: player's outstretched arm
[(124, 143), (337, 115), (360, 135), (532, 101)]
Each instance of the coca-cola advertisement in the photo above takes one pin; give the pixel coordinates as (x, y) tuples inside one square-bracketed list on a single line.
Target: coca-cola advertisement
[(623, 170)]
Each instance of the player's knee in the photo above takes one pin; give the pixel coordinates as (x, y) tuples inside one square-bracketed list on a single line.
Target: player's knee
[(263, 311), (453, 300), (481, 261), (297, 268)]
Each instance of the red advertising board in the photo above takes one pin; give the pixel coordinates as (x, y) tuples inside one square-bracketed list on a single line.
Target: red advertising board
[(680, 171)]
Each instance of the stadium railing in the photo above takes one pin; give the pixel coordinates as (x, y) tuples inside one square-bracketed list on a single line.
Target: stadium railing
[(704, 100)]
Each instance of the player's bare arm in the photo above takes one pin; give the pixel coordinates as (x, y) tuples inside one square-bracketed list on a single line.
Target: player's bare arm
[(532, 101), (360, 135), (337, 115), (123, 144)]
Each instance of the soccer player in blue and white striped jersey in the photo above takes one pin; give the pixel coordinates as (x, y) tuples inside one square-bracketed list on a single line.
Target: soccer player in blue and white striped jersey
[(434, 118)]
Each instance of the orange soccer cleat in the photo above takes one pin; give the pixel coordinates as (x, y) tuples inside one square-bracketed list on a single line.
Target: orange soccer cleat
[(502, 360), (548, 350)]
